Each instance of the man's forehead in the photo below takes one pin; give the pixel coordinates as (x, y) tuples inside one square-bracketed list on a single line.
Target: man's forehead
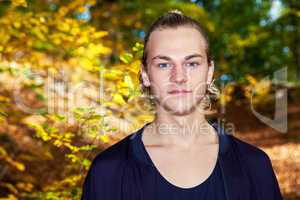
[(175, 50), (176, 39)]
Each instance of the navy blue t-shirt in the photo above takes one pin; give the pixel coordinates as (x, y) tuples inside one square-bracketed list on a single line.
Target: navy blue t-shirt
[(124, 172), (211, 189)]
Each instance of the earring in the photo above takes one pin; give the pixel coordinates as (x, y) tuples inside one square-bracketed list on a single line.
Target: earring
[(152, 99), (206, 103), (212, 89)]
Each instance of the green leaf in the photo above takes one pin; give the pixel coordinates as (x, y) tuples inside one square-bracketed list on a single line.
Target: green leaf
[(126, 58)]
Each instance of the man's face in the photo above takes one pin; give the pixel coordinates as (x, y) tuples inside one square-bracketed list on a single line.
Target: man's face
[(177, 68)]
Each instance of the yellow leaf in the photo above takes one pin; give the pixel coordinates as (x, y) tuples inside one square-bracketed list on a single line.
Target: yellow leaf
[(4, 99), (16, 3), (104, 138), (83, 40), (117, 98), (17, 24), (75, 30), (81, 9), (109, 104), (19, 166), (145, 118), (135, 66), (64, 27), (251, 79), (100, 34), (124, 91), (86, 63), (128, 81), (113, 74), (2, 152), (263, 87)]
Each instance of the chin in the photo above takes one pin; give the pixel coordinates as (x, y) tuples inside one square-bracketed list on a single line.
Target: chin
[(179, 108), (180, 105)]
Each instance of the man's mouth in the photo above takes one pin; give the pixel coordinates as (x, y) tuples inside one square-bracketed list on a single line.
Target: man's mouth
[(179, 91)]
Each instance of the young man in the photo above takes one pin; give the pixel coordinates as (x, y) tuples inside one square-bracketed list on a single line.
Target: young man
[(180, 155)]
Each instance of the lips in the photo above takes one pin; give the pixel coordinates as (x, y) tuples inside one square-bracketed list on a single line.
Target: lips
[(179, 91)]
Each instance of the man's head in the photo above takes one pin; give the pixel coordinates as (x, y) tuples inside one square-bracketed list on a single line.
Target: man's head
[(176, 63)]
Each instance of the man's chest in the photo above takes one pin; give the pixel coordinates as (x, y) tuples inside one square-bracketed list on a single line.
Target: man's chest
[(185, 168)]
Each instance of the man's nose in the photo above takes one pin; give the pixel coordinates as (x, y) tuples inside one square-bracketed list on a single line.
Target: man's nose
[(178, 74)]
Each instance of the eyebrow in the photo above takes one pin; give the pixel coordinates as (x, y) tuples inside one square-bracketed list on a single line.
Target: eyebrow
[(168, 58)]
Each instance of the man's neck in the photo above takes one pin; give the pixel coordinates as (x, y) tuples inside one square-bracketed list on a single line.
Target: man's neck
[(182, 130)]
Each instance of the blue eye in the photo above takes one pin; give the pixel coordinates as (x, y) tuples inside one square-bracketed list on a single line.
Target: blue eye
[(192, 64), (163, 65)]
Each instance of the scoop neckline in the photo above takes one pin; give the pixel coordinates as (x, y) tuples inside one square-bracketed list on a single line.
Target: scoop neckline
[(167, 182)]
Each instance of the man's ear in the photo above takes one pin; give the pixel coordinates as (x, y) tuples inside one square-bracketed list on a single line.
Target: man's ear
[(210, 72), (145, 77)]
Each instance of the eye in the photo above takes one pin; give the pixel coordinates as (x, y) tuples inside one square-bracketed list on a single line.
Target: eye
[(163, 65), (192, 64)]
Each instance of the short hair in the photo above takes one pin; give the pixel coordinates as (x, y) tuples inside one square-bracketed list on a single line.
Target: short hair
[(172, 19)]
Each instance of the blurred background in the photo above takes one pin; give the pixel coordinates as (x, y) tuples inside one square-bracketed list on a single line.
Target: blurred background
[(69, 84)]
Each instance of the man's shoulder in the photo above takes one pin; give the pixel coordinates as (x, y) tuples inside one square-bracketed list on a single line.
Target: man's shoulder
[(259, 166), (250, 153), (106, 170), (114, 154)]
